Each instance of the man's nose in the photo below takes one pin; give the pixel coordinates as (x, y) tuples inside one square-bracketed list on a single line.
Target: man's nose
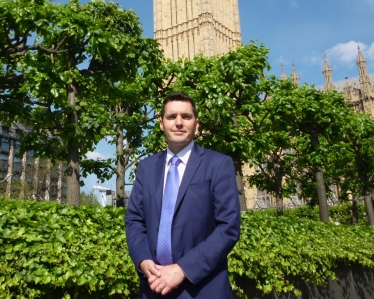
[(178, 121)]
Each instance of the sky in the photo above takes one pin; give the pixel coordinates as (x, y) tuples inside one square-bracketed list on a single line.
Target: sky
[(299, 31)]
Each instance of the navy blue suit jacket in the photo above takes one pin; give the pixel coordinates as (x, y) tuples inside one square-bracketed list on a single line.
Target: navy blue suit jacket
[(205, 226)]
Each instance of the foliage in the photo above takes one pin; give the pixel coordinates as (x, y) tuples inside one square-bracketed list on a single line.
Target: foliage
[(49, 250), (128, 122), (272, 250), (339, 214), (343, 214), (301, 143), (60, 71), (356, 170), (273, 150), (17, 188), (53, 251), (38, 178), (89, 199)]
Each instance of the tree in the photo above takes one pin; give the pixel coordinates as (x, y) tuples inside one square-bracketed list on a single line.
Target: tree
[(130, 120), (227, 93), (297, 140), (315, 119), (357, 169), (273, 151), (61, 65), (89, 199)]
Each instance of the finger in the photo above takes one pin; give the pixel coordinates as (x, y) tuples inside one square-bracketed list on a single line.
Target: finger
[(154, 285), (166, 290), (159, 289), (154, 271), (151, 279)]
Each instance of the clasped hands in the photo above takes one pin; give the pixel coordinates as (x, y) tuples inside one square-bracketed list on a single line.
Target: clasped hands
[(162, 279)]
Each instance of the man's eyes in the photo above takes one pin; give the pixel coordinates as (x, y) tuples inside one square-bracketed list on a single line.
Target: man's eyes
[(175, 116)]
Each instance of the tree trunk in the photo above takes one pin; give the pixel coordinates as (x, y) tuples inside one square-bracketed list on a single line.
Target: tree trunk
[(23, 176), (8, 191), (362, 172), (278, 188), (321, 188), (354, 210), (120, 180), (369, 206), (47, 194), (321, 191), (72, 170), (59, 183), (240, 184), (72, 175), (35, 185)]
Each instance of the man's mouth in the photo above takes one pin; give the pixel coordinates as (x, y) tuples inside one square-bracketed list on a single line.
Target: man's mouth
[(178, 132)]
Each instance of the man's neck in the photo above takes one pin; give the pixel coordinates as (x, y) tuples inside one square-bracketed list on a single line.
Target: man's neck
[(175, 149)]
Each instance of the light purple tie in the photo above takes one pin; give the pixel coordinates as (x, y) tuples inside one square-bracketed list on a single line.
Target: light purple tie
[(164, 255)]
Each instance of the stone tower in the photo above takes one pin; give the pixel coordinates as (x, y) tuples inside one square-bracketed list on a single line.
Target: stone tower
[(327, 72), (360, 93), (366, 88), (185, 28), (283, 74), (295, 76)]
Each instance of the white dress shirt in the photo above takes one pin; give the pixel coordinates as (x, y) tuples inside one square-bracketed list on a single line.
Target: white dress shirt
[(183, 155)]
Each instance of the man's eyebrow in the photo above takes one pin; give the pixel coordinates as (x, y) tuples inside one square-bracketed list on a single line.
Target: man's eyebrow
[(171, 114)]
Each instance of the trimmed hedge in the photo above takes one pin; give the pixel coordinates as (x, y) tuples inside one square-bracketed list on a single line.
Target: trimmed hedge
[(53, 251), (273, 250), (341, 214), (59, 251)]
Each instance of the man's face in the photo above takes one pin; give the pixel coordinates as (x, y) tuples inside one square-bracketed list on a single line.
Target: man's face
[(179, 125)]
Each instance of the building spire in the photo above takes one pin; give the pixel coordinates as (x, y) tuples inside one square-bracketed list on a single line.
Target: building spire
[(360, 57), (365, 85), (283, 75), (327, 72), (295, 77)]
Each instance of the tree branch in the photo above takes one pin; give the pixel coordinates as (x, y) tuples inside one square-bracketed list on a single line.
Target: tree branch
[(61, 42)]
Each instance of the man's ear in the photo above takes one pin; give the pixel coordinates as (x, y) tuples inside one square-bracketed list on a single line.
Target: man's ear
[(161, 125)]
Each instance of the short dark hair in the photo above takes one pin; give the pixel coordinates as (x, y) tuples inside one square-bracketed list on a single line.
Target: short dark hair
[(178, 96)]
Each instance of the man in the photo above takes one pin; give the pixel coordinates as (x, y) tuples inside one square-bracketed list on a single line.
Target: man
[(183, 217)]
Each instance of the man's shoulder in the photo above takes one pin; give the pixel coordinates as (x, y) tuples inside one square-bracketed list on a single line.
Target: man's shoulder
[(212, 153), (153, 158)]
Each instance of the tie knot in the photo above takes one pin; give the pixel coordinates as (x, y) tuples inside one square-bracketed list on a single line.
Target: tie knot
[(175, 160)]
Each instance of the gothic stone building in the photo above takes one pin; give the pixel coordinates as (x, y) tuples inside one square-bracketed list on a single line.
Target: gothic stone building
[(358, 91)]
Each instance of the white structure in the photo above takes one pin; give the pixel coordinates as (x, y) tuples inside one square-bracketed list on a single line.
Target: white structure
[(104, 198)]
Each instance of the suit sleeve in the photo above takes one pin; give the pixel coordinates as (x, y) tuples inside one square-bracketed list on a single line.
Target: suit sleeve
[(136, 232), (202, 260)]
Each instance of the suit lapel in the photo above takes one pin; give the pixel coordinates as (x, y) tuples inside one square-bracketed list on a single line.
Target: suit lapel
[(191, 167), (159, 181)]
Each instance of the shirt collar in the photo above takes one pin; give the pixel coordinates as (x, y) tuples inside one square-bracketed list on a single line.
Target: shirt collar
[(183, 154)]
